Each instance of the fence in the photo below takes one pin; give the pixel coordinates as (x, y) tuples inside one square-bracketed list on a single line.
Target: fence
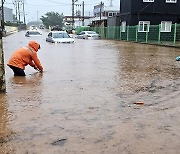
[(131, 33)]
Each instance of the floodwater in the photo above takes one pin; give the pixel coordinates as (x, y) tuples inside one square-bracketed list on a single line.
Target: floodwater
[(84, 102)]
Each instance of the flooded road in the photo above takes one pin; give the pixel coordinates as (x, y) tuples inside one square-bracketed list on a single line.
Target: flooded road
[(84, 102)]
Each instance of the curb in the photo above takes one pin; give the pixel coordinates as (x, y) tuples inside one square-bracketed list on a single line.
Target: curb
[(10, 33)]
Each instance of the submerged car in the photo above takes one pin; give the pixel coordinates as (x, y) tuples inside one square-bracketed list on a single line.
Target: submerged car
[(88, 35), (33, 27), (30, 33), (59, 37)]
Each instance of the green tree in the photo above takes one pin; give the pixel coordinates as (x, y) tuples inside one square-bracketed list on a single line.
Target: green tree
[(52, 19)]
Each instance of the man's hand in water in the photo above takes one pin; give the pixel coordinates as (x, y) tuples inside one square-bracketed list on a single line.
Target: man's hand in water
[(35, 67)]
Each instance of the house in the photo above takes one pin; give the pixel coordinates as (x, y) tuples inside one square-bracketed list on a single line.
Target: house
[(149, 12), (102, 13), (78, 21)]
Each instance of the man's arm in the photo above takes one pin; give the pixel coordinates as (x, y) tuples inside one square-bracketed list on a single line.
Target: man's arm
[(32, 64), (37, 62)]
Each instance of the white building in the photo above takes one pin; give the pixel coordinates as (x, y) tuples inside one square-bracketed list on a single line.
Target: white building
[(8, 14), (78, 21)]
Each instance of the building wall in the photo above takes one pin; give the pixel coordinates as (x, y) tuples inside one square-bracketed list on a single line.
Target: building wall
[(125, 6), (113, 21), (133, 11), (158, 7), (8, 14), (78, 22), (154, 19)]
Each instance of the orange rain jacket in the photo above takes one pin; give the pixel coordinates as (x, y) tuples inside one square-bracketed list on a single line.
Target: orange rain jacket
[(26, 55)]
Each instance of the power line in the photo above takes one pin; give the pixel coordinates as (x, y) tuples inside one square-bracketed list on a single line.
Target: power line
[(55, 2), (48, 5)]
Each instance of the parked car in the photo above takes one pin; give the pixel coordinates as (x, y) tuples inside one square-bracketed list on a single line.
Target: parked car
[(59, 37), (33, 27), (55, 28), (41, 26), (30, 33), (88, 35)]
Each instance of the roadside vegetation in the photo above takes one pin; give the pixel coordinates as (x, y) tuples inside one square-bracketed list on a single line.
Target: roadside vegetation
[(52, 19)]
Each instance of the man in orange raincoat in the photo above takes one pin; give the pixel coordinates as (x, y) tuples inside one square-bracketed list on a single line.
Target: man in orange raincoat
[(25, 56)]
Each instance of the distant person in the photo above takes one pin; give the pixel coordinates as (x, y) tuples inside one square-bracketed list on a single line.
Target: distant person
[(25, 56)]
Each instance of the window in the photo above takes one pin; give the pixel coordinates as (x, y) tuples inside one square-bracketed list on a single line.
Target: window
[(143, 26), (110, 14), (171, 1), (166, 26), (114, 14), (123, 26), (148, 0), (34, 33)]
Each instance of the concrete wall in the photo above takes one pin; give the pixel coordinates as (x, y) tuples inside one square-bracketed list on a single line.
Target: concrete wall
[(10, 29), (8, 14)]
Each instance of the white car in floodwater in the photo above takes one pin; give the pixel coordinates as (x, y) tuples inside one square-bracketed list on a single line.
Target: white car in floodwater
[(88, 35), (30, 33), (59, 37)]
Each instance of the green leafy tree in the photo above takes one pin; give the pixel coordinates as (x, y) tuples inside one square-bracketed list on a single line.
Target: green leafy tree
[(52, 19)]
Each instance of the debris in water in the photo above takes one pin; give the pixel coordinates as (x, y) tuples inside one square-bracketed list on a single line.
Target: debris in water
[(2, 140), (139, 103), (59, 142), (178, 58)]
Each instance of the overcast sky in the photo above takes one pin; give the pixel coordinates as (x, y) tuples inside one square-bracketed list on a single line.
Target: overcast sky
[(34, 9)]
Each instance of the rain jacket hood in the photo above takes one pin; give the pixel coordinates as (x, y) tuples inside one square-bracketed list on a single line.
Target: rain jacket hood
[(34, 45)]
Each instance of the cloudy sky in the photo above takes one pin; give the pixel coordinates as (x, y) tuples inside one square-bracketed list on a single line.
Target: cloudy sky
[(34, 9)]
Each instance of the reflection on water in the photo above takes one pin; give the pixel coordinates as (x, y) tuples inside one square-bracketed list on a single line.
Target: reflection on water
[(23, 96), (30, 79)]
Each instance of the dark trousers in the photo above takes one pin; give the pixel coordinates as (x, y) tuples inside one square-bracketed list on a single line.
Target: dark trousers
[(17, 71)]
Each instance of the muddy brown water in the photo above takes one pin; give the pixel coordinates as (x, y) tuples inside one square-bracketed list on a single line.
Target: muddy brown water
[(84, 101)]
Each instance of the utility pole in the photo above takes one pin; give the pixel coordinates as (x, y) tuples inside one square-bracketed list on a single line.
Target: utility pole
[(73, 2), (15, 5), (101, 5), (83, 13), (72, 14), (2, 70), (19, 14), (24, 13), (2, 14), (119, 7)]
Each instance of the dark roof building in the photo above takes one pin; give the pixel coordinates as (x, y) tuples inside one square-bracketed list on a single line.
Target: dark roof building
[(153, 11)]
